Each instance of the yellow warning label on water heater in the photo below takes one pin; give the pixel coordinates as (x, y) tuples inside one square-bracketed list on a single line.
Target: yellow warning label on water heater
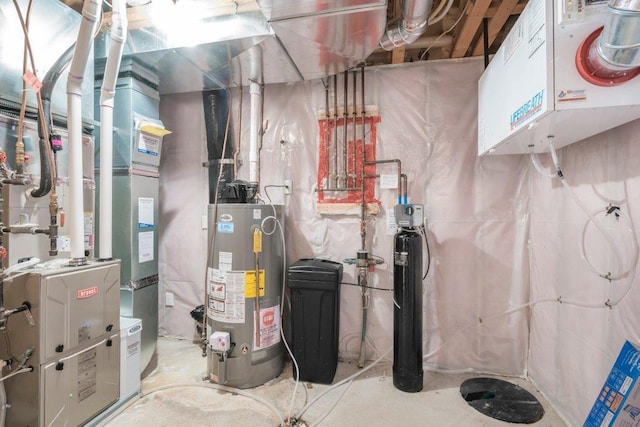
[(257, 241), (250, 284)]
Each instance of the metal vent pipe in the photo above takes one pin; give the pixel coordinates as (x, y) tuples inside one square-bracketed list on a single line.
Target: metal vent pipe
[(611, 55), (410, 27)]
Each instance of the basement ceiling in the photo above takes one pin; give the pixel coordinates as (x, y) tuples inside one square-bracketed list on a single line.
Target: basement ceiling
[(458, 35)]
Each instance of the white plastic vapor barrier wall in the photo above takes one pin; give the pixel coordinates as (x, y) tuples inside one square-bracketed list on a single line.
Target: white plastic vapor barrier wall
[(501, 235), (573, 348), (476, 210)]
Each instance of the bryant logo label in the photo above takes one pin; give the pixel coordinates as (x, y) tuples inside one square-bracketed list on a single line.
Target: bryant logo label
[(87, 292)]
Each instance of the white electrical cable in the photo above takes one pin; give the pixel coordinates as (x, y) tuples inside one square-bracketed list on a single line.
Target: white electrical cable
[(13, 374), (445, 32), (212, 238), (212, 386), (433, 18), (339, 383), (21, 266), (278, 225), (438, 9), (335, 403)]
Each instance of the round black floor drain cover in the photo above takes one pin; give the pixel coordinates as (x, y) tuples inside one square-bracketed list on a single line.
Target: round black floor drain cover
[(502, 400)]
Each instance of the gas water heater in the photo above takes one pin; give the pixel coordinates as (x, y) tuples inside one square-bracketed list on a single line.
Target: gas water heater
[(244, 285), (407, 296)]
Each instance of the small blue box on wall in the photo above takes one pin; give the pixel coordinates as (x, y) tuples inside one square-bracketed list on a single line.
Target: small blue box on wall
[(618, 404)]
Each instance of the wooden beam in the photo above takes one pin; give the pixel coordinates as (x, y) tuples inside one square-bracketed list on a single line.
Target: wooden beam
[(470, 28), (496, 23), (397, 55), (516, 10)]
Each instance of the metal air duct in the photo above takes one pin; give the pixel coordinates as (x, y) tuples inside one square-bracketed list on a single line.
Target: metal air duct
[(407, 30), (611, 54)]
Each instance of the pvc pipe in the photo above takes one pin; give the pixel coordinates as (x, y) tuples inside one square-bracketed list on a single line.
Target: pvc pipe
[(118, 37), (90, 15), (254, 131)]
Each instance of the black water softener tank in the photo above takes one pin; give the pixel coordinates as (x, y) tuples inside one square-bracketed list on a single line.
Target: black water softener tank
[(407, 312), (314, 286)]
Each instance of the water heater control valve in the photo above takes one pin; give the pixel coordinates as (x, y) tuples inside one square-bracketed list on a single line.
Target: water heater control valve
[(220, 342)]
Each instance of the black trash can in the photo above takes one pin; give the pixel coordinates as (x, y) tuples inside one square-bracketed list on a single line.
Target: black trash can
[(314, 286)]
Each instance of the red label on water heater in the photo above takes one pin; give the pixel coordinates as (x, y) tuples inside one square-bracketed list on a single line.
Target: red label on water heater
[(87, 292)]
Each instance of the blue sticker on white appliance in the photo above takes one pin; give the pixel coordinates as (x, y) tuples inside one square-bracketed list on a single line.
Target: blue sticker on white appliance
[(527, 110), (571, 95)]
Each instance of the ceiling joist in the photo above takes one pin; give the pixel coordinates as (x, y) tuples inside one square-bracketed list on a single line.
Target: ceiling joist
[(470, 28), (505, 10)]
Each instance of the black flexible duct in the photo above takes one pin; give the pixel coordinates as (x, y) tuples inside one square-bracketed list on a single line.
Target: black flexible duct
[(48, 84), (216, 111)]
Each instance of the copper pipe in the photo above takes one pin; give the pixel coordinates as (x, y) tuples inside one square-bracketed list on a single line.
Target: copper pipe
[(345, 154), (335, 131), (363, 206), (354, 112)]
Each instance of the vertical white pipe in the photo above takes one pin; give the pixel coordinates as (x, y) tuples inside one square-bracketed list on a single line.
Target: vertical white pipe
[(254, 134), (90, 15), (118, 37)]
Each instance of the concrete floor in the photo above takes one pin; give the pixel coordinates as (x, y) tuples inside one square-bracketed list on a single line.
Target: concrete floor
[(371, 400)]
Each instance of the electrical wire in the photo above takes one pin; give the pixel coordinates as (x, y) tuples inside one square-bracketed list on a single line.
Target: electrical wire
[(272, 186), (345, 340), (19, 371), (423, 231), (278, 225), (434, 17), (335, 403), (445, 32), (366, 286), (438, 9), (211, 243), (212, 386), (339, 383)]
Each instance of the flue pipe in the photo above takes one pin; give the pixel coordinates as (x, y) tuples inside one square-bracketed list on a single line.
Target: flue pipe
[(611, 55), (90, 14), (107, 94), (254, 132), (410, 27)]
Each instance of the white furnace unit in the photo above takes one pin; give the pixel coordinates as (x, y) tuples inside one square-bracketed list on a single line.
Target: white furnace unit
[(532, 89)]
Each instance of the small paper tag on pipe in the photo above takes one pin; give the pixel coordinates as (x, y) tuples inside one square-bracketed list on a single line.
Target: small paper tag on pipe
[(32, 81)]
